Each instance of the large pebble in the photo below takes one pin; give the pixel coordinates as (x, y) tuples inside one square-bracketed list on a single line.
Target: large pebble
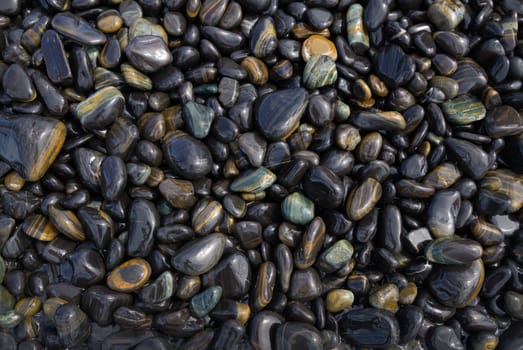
[(200, 256)]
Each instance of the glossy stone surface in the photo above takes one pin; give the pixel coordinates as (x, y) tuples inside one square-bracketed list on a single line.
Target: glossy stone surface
[(200, 256), (369, 328), (100, 109), (148, 53), (30, 144), (195, 162), (457, 285), (278, 114), (129, 276), (297, 208), (394, 66)]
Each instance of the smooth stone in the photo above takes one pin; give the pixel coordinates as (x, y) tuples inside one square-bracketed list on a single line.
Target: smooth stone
[(129, 276), (375, 13), (278, 113), (254, 148), (385, 297), (338, 300), (470, 77), (72, 325), (207, 215), (319, 71), (194, 162), (232, 273), (473, 160), (297, 208), (446, 14), (464, 110), (100, 302), (263, 40), (148, 53), (378, 120), (77, 29), (161, 289), (507, 185), (179, 193), (453, 251), (30, 144), (443, 337), (198, 119), (100, 109), (305, 285), (113, 177), (414, 167), (452, 43), (503, 121), (312, 241), (83, 267), (394, 66), (253, 181), (317, 45), (442, 213), (23, 90), (410, 319), (265, 282), (261, 327), (443, 176), (456, 285), (297, 335), (144, 221), (363, 199), (201, 304), (56, 63), (229, 91), (324, 187), (336, 256), (98, 225), (368, 327), (200, 256), (212, 11)]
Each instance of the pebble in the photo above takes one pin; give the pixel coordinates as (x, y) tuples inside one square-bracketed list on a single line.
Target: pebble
[(129, 276), (43, 138), (368, 327), (200, 256)]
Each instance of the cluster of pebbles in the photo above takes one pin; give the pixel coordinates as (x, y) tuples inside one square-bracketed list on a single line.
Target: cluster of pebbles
[(261, 174)]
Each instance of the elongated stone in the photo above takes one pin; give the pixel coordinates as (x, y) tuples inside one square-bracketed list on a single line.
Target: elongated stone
[(473, 160), (442, 213), (200, 256), (100, 109), (278, 114), (503, 121), (507, 184), (453, 251), (253, 181), (56, 63), (78, 29), (363, 199), (378, 120), (356, 33), (30, 144)]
